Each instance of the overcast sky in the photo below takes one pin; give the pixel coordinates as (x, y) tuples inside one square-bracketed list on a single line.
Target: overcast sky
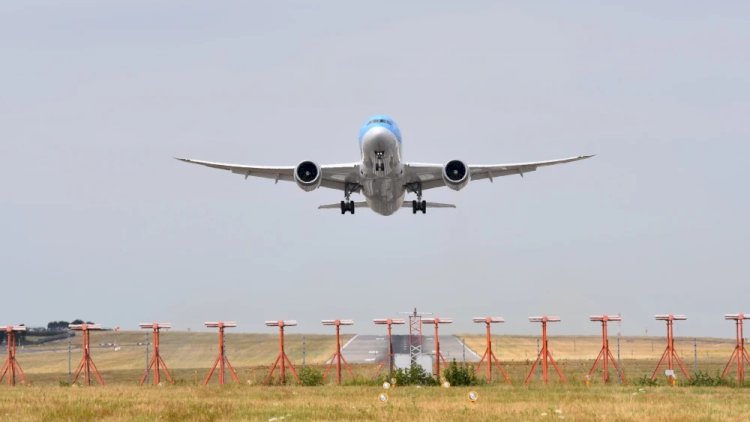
[(98, 221)]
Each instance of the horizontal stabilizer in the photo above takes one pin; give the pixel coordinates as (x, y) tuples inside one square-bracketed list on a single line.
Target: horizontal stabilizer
[(337, 206), (407, 204)]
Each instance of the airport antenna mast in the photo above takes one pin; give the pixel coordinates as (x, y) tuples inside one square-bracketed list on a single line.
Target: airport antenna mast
[(605, 355), (222, 358), (438, 356), (156, 362), (670, 353), (11, 367), (338, 357), (488, 353), (545, 355), (282, 360), (388, 322), (740, 353), (415, 333), (87, 363)]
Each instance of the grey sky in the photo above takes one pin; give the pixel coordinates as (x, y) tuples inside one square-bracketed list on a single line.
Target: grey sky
[(98, 221)]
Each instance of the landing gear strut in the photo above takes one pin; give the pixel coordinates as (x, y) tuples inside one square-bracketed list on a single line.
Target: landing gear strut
[(348, 204)]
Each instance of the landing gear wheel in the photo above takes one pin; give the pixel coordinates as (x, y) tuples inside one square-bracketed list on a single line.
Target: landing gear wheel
[(347, 206), (418, 205)]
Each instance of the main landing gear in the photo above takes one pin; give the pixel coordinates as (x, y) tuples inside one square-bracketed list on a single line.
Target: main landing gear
[(419, 204), (348, 204)]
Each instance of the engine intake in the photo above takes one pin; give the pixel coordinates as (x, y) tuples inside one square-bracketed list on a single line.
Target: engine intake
[(456, 174), (307, 175)]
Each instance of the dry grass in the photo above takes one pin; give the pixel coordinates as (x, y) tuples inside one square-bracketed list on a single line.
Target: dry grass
[(181, 350), (190, 354), (518, 348)]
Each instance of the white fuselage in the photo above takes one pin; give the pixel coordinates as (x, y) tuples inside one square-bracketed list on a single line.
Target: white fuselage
[(382, 171)]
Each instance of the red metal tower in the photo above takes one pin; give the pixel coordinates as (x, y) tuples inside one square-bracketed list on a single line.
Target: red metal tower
[(438, 356), (415, 333), (156, 363), (545, 355), (11, 365), (605, 355), (282, 359), (222, 358), (488, 353), (388, 322), (338, 357), (740, 353), (87, 363), (670, 353)]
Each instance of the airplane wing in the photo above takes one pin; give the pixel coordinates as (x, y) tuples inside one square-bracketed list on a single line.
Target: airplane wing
[(431, 175), (334, 176)]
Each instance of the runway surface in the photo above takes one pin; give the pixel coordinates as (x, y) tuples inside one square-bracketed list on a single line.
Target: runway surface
[(373, 349)]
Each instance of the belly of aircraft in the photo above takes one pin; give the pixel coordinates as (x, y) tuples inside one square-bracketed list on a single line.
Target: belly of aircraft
[(384, 195)]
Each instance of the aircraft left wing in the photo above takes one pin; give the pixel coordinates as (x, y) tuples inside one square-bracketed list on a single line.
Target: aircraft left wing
[(430, 176), (334, 176)]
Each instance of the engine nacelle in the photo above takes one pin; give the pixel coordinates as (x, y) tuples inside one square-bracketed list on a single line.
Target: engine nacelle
[(307, 175), (456, 174)]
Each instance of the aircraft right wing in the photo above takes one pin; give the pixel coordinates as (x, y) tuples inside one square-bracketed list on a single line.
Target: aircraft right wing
[(334, 176)]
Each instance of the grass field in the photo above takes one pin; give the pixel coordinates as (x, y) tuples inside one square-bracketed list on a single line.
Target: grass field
[(179, 403), (121, 358), (182, 350)]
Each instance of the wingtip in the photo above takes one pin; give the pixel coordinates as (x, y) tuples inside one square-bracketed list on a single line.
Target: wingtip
[(187, 160)]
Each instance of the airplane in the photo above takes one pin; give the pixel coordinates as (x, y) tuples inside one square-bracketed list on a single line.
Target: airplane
[(381, 175)]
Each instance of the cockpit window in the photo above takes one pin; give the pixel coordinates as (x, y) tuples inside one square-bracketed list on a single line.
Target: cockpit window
[(385, 121)]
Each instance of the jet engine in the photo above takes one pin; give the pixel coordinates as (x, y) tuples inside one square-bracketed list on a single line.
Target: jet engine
[(456, 175), (307, 175)]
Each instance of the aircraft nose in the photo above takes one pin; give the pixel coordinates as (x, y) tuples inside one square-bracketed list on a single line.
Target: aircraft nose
[(379, 135)]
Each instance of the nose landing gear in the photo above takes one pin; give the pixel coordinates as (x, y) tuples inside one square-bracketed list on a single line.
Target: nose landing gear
[(379, 164)]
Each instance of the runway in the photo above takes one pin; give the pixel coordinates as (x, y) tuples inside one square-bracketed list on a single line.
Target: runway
[(373, 348)]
